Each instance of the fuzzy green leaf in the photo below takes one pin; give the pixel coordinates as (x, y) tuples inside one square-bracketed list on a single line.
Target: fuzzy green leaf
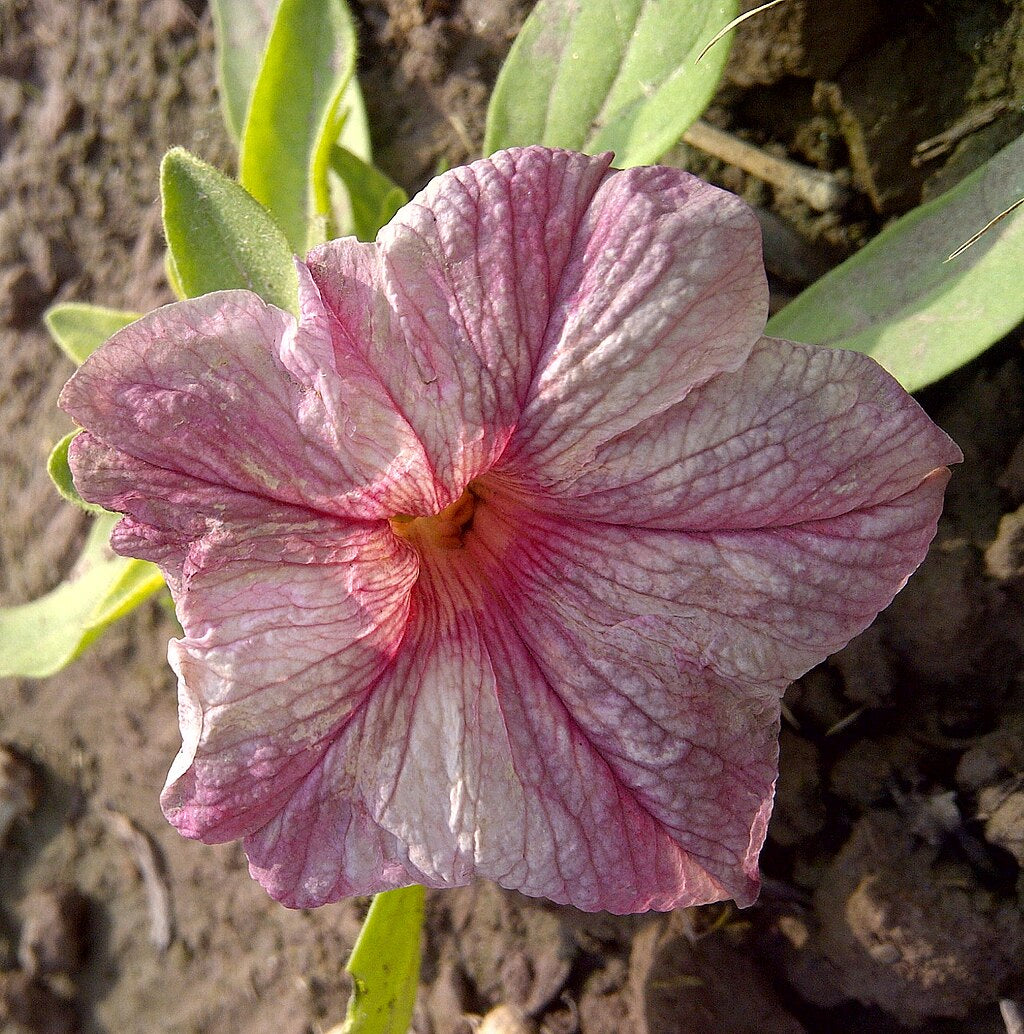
[(242, 28), (898, 301), (80, 329), (354, 135), (385, 964), (609, 75), (60, 474), (220, 237), (296, 115), (41, 637), (368, 199)]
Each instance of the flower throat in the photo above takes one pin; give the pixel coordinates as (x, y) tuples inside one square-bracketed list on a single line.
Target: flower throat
[(444, 530)]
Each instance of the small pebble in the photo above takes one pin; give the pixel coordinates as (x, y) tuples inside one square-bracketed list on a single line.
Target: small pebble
[(504, 1019)]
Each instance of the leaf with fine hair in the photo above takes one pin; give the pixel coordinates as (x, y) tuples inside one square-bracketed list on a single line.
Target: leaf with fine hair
[(242, 28), (60, 474), (41, 637), (900, 301), (220, 237), (80, 329), (608, 75), (296, 115), (367, 199)]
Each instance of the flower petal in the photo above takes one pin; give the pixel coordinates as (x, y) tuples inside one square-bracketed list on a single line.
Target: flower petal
[(287, 629), (540, 297), (289, 618), (323, 846), (796, 434), (470, 270), (414, 766), (227, 389), (457, 770), (761, 606), (664, 288), (467, 761)]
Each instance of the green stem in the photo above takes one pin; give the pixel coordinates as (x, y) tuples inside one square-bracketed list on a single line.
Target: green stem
[(385, 964)]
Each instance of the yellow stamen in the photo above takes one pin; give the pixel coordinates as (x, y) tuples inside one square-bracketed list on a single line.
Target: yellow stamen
[(444, 530)]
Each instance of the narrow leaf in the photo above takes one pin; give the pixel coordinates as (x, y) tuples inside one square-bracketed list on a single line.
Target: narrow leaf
[(295, 114), (138, 581), (385, 964), (368, 199), (80, 329), (60, 474), (220, 237), (241, 28), (39, 638), (354, 135), (900, 302), (600, 75)]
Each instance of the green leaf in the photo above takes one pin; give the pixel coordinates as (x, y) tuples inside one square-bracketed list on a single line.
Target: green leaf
[(368, 199), (608, 75), (80, 329), (220, 237), (241, 28), (898, 301), (385, 964), (172, 276), (60, 474), (296, 115), (355, 129), (39, 638)]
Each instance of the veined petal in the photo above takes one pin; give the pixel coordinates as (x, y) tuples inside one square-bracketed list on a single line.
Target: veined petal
[(664, 288), (323, 846), (547, 305), (228, 389), (467, 761), (287, 629), (425, 766), (470, 270), (760, 606), (289, 619), (796, 434)]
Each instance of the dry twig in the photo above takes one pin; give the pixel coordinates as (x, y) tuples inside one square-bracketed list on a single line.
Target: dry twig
[(158, 893), (1012, 1018), (821, 190), (938, 145)]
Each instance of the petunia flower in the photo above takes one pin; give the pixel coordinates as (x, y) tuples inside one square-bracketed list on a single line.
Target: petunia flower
[(497, 562)]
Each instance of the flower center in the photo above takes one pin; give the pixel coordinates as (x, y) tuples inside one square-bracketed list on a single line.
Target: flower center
[(444, 530)]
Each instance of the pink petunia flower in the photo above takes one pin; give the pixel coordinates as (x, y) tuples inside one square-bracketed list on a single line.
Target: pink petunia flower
[(498, 562)]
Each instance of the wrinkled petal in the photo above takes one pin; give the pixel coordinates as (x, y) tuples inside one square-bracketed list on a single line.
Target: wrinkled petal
[(323, 846), (227, 389), (287, 630), (426, 749), (465, 762), (453, 303), (760, 606), (796, 434), (663, 289), (289, 618), (537, 298)]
